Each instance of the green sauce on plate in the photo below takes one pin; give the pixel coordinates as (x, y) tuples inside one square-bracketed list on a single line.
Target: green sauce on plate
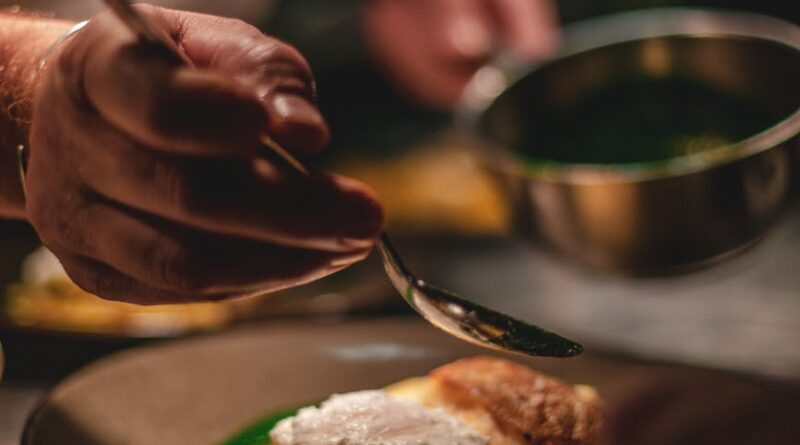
[(258, 432), (639, 119)]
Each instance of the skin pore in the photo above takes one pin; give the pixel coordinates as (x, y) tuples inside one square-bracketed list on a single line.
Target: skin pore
[(24, 38)]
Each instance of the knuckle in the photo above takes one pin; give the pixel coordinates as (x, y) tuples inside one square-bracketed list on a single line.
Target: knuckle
[(177, 265), (178, 188)]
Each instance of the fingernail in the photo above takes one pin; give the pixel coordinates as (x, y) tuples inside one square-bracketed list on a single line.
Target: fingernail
[(298, 123), (296, 108)]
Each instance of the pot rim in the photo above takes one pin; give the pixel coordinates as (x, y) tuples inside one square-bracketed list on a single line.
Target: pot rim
[(495, 78)]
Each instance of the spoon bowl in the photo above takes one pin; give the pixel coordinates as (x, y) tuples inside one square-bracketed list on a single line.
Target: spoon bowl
[(469, 321)]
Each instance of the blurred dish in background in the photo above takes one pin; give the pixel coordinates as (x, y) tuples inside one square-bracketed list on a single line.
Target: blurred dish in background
[(657, 140), (436, 187), (47, 299)]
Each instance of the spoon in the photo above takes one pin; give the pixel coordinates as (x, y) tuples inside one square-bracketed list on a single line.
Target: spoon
[(447, 311)]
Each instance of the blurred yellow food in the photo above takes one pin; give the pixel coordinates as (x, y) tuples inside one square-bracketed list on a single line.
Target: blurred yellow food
[(438, 187), (50, 300)]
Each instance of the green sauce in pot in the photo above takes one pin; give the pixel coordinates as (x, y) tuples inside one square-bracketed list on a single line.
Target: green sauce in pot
[(639, 119)]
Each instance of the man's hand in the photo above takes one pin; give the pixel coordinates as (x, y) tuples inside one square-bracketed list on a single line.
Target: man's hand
[(144, 178), (431, 48)]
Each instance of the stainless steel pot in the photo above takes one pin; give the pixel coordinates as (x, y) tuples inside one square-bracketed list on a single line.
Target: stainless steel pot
[(652, 216)]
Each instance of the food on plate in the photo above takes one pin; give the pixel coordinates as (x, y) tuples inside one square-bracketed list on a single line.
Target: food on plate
[(373, 417), (481, 400)]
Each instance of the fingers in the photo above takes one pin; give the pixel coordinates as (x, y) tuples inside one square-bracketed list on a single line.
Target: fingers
[(102, 280), (529, 28), (143, 177), (174, 258), (429, 52), (238, 198), (246, 85)]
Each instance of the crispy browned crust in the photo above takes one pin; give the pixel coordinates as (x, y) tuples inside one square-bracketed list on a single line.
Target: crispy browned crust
[(539, 409)]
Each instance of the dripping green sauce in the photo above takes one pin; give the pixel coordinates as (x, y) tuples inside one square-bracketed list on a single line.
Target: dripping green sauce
[(639, 119)]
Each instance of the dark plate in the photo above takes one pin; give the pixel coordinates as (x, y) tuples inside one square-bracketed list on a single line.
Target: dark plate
[(210, 389)]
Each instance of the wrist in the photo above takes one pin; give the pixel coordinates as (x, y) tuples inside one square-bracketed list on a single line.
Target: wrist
[(24, 39)]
